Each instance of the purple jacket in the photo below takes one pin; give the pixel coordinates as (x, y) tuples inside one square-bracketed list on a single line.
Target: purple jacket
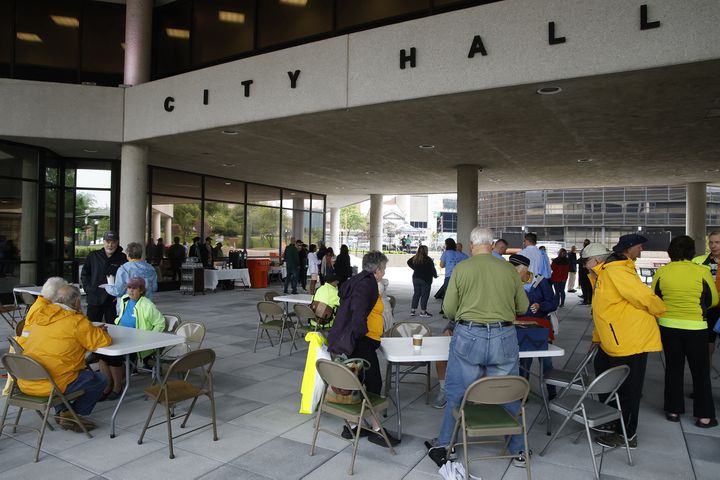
[(357, 298)]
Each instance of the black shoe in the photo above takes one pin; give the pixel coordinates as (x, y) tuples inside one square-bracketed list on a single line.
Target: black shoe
[(672, 417), (437, 454), (377, 439), (350, 434), (712, 423), (295, 292)]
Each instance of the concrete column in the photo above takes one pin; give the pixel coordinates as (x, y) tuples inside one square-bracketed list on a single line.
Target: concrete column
[(695, 215), (29, 223), (467, 203), (298, 219), (133, 193), (334, 229), (168, 231), (138, 41), (156, 225), (376, 226)]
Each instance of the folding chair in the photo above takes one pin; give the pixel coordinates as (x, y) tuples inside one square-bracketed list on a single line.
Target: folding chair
[(268, 297), (272, 317), (25, 368), (338, 375), (392, 301), (582, 409), (9, 314), (481, 414), (15, 345), (172, 322), (408, 329), (170, 392), (19, 327), (572, 379)]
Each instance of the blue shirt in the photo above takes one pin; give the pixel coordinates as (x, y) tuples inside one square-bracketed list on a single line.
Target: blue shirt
[(539, 261), (128, 317), (451, 258), (138, 268), (497, 255)]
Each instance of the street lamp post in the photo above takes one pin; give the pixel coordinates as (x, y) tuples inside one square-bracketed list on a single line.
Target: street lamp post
[(95, 222)]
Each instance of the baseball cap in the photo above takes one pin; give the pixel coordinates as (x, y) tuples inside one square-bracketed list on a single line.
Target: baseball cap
[(594, 250), (136, 282), (516, 259), (627, 241), (111, 235)]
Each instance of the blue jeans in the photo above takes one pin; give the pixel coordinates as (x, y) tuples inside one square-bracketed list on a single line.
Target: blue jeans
[(476, 352), (421, 293), (93, 383), (559, 288)]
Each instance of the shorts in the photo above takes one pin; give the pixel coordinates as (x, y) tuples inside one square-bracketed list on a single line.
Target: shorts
[(314, 276)]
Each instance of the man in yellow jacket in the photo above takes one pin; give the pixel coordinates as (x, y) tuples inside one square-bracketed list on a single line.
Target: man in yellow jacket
[(59, 338), (624, 311)]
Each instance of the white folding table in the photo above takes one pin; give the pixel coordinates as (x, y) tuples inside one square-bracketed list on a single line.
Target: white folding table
[(299, 298), (127, 341), (399, 350), (212, 277)]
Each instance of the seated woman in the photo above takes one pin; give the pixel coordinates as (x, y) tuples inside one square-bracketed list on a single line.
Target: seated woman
[(327, 294), (134, 311)]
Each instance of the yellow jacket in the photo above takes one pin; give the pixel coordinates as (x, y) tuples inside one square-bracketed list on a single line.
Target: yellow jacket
[(59, 339), (624, 310)]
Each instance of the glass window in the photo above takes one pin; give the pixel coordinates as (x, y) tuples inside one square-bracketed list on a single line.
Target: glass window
[(318, 203), (92, 217), (263, 227), (296, 200), (172, 38), (317, 230), (6, 29), (282, 21), (172, 182), (86, 178), (222, 28), (226, 223), (184, 215), (224, 189), (47, 40), (103, 43), (289, 229), (50, 225), (18, 162), (357, 12), (262, 195)]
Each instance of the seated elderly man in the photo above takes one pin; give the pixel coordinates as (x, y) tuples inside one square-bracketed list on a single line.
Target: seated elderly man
[(59, 339), (48, 295), (135, 267)]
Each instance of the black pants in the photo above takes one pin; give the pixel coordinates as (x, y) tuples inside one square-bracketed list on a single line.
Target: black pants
[(421, 293), (678, 345), (366, 348), (631, 390), (585, 285), (100, 313)]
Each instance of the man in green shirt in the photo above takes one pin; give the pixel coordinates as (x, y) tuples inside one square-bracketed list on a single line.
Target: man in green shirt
[(483, 298)]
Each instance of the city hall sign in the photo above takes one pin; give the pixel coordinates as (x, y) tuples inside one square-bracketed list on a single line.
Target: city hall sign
[(408, 57)]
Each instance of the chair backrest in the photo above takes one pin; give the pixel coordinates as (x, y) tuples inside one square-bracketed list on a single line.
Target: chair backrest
[(19, 326), (581, 369), (27, 298), (204, 357), (172, 322), (269, 309), (268, 297), (393, 301), (497, 390), (192, 331), (304, 313), (408, 329), (338, 375), (26, 368), (15, 345), (609, 381)]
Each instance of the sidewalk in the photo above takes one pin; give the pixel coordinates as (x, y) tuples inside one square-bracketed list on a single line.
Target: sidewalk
[(263, 437)]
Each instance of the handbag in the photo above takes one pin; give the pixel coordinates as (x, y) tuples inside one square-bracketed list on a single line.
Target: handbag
[(322, 311), (343, 395)]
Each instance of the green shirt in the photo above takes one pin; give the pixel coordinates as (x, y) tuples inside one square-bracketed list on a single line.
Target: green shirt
[(688, 290), (485, 289)]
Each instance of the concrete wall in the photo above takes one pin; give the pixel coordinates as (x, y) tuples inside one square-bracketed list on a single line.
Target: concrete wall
[(60, 111)]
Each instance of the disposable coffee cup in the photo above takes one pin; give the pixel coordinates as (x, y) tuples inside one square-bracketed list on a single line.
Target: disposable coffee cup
[(417, 342), (111, 279)]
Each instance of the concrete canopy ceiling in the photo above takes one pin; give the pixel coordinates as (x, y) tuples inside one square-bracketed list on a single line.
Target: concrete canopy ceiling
[(651, 127)]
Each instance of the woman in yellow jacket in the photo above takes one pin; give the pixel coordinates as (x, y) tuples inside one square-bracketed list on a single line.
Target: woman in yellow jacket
[(688, 290), (624, 311)]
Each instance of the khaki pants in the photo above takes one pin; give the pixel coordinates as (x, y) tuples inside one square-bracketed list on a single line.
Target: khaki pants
[(571, 281)]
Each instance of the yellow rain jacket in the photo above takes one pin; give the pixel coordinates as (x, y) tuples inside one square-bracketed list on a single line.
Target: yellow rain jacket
[(59, 339), (40, 304), (624, 310)]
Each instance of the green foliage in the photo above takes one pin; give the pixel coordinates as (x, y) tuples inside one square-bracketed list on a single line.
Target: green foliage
[(352, 219), (187, 218)]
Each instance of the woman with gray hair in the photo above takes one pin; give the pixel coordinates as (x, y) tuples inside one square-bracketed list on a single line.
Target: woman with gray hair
[(359, 325), (135, 267)]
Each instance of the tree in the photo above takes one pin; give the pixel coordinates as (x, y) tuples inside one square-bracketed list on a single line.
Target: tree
[(187, 217), (351, 218)]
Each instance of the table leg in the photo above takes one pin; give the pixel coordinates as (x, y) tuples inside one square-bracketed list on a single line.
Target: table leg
[(397, 401), (543, 392), (157, 368), (122, 396)]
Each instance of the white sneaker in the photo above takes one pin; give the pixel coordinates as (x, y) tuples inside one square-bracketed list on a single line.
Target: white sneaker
[(412, 313), (520, 459), (440, 400)]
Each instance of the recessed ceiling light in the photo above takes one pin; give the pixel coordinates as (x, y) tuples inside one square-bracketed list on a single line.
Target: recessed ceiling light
[(371, 172), (231, 17), (90, 150), (712, 170), (180, 33), (295, 3), (584, 160), (549, 90), (28, 37), (228, 183), (65, 21), (426, 146), (494, 180), (227, 164), (230, 132), (292, 194)]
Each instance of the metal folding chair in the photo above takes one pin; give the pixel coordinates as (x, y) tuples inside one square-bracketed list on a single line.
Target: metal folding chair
[(172, 322), (572, 379), (272, 317), (582, 409), (408, 329)]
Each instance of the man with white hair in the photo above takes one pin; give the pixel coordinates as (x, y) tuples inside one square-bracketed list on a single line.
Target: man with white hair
[(48, 295), (483, 297)]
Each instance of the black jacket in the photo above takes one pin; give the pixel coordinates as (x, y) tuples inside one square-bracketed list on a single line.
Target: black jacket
[(425, 271), (95, 271), (343, 269), (357, 299)]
